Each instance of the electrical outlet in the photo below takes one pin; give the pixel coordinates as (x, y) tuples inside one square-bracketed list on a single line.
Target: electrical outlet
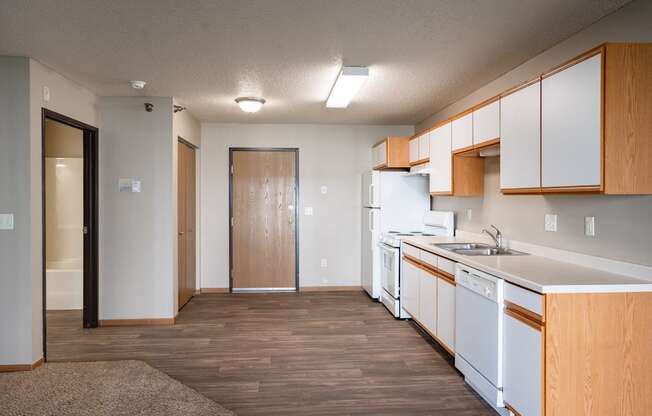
[(46, 94), (589, 226), (324, 263), (551, 223), (469, 214), (307, 211), (324, 189)]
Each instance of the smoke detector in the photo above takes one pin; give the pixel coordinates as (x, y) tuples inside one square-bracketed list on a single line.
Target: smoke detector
[(137, 85)]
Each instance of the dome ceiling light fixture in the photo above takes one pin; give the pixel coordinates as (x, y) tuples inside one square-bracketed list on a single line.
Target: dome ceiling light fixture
[(137, 85), (250, 104)]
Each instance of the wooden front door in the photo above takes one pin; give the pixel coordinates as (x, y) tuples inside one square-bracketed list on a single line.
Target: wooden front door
[(186, 221), (263, 223)]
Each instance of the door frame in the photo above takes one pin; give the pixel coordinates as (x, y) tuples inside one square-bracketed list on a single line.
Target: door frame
[(295, 150), (91, 188)]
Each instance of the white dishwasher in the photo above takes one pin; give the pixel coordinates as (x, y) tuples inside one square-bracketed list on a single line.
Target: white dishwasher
[(479, 333)]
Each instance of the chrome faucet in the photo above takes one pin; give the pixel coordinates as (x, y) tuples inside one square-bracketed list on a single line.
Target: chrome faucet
[(498, 237)]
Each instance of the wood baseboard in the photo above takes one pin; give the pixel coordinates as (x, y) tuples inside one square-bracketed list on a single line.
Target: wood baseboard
[(330, 289), (214, 290), (137, 322), (10, 368)]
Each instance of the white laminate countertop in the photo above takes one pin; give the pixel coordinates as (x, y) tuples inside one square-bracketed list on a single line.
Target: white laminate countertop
[(540, 274)]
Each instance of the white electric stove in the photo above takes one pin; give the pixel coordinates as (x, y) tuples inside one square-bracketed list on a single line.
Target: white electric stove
[(436, 223)]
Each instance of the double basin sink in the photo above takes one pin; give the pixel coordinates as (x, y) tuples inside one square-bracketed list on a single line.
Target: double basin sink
[(478, 249)]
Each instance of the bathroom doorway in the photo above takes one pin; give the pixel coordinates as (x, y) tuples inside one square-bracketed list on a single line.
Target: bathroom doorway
[(69, 170)]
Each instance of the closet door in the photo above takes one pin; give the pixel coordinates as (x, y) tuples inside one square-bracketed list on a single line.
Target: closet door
[(186, 221)]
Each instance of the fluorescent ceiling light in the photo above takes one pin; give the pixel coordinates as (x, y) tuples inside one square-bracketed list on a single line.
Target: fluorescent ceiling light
[(347, 85), (250, 104)]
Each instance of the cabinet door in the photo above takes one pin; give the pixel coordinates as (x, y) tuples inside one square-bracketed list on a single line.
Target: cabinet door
[(571, 133), (441, 166), (409, 287), (446, 313), (522, 367), (520, 138), (381, 154), (486, 123), (462, 132), (414, 150), (428, 301), (424, 146)]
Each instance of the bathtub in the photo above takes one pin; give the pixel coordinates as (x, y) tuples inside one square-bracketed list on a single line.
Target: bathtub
[(65, 284)]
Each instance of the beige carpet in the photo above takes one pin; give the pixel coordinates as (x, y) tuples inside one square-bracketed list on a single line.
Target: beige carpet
[(100, 388)]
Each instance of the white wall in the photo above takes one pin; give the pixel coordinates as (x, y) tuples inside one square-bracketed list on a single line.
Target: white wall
[(623, 223), (331, 155), (137, 229), (16, 301)]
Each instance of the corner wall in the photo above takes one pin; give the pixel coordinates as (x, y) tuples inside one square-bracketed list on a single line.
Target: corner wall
[(137, 262), (623, 223), (16, 303)]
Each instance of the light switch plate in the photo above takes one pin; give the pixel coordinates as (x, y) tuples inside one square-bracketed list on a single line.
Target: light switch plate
[(46, 94), (551, 222), (469, 214), (6, 222), (135, 186), (324, 263), (307, 210), (324, 189), (589, 226)]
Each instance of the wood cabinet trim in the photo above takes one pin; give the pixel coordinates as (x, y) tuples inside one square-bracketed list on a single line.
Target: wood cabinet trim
[(486, 102), (573, 61), (462, 150), (380, 142), (441, 194), (420, 162), (520, 191), (575, 189), (435, 272), (525, 313), (486, 143), (511, 409), (520, 86)]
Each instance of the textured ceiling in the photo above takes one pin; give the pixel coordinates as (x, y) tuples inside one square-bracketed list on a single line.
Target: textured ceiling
[(422, 54)]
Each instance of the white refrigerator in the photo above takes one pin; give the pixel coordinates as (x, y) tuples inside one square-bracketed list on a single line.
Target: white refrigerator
[(391, 201)]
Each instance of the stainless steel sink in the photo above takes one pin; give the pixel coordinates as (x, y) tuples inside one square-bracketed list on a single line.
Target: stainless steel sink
[(478, 249)]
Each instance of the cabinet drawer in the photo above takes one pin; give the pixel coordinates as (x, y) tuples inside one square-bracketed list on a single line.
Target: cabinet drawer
[(429, 259), (411, 251), (446, 265), (524, 298)]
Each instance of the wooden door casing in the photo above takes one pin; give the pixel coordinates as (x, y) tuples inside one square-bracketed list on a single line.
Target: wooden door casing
[(263, 219)]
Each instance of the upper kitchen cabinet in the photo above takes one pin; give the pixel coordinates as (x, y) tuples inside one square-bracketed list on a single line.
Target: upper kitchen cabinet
[(414, 150), (571, 126), (424, 147), (595, 122), (462, 132), (520, 138), (391, 153), (441, 161), (420, 149), (486, 123)]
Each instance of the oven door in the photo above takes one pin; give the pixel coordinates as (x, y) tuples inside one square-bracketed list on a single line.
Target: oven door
[(389, 269)]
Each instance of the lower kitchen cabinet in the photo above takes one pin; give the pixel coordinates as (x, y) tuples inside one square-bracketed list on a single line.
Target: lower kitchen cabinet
[(428, 300), (446, 313), (577, 354), (428, 294), (410, 275), (523, 366)]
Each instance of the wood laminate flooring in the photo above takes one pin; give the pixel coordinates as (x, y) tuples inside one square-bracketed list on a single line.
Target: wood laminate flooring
[(326, 353)]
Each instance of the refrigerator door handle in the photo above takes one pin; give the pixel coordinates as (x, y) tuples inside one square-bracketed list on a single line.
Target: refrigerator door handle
[(371, 220), (371, 195)]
